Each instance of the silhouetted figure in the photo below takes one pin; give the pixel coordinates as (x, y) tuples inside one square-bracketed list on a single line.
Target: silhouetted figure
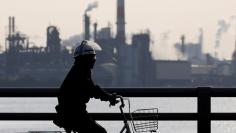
[(75, 92)]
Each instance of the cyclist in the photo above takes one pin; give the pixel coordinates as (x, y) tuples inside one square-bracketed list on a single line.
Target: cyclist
[(76, 90)]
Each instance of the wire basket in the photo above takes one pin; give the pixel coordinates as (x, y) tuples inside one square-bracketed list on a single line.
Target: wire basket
[(145, 120)]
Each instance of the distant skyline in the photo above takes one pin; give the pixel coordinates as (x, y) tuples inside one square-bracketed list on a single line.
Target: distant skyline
[(162, 17)]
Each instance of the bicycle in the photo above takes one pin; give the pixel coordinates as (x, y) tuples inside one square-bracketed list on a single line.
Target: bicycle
[(143, 120)]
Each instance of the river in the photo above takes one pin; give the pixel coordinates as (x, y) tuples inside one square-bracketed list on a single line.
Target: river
[(163, 104)]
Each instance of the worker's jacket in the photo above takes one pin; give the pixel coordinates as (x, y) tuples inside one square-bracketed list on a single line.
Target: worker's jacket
[(75, 92)]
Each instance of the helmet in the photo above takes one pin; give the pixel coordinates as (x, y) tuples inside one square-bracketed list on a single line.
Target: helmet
[(86, 47)]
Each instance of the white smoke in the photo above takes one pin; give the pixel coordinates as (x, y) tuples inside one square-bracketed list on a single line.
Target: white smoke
[(91, 6), (164, 50), (70, 42), (232, 18), (223, 27)]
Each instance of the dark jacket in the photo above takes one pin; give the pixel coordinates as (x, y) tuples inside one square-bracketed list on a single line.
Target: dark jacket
[(75, 92)]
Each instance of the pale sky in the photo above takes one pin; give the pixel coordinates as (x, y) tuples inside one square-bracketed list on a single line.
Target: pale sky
[(160, 16)]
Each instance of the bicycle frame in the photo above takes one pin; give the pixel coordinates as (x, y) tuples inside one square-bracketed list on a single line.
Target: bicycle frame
[(126, 124)]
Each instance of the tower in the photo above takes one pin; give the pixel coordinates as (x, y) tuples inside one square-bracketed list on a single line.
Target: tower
[(183, 44), (95, 32), (53, 40), (233, 62), (86, 27), (120, 21)]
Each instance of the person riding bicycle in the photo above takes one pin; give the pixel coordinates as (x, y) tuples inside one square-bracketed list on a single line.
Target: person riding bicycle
[(76, 90)]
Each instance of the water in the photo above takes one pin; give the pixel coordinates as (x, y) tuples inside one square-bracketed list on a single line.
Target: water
[(164, 105)]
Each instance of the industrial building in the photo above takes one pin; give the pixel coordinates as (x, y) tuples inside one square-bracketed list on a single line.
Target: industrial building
[(192, 51), (173, 73), (119, 64), (28, 65)]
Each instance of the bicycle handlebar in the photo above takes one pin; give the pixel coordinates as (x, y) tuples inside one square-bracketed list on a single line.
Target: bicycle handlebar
[(122, 101), (126, 125)]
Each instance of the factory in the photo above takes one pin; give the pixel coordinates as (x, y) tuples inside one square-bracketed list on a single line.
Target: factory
[(119, 64), (192, 51), (26, 64)]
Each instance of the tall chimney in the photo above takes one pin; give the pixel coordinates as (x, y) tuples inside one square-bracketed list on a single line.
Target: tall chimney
[(235, 38), (9, 26), (95, 31), (120, 21), (27, 44), (201, 38), (86, 27), (13, 25), (183, 44)]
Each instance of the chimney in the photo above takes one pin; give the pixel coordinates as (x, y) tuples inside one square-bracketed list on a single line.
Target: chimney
[(183, 44), (27, 45), (13, 25), (95, 31), (9, 26), (120, 21), (201, 39), (86, 27), (235, 39)]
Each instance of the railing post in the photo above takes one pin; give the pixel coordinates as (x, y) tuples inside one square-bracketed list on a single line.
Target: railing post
[(204, 110)]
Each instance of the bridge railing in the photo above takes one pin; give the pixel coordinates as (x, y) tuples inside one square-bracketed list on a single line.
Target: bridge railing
[(203, 116)]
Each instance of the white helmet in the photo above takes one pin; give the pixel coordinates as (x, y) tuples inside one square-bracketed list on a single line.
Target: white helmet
[(86, 47)]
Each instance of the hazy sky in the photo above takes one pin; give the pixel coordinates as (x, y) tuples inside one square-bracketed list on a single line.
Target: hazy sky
[(171, 18)]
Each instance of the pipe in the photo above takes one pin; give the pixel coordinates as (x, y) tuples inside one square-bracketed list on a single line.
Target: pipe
[(183, 44), (86, 27), (9, 26), (13, 25), (95, 31), (120, 20)]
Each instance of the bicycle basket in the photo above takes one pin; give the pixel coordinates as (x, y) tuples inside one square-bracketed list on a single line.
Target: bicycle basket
[(145, 120)]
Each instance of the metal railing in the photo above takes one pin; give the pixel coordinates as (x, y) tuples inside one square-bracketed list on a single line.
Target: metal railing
[(203, 116)]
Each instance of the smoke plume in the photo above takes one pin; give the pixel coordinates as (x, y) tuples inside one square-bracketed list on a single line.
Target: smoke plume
[(91, 6), (223, 27), (164, 50)]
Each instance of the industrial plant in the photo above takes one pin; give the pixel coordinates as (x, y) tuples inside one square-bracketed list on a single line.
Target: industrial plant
[(119, 64)]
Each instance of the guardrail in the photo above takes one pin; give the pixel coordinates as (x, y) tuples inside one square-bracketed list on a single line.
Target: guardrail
[(203, 115)]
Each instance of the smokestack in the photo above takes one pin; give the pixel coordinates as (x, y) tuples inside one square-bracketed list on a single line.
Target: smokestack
[(201, 38), (120, 21), (9, 26), (95, 31), (86, 27), (183, 44), (235, 46), (13, 25), (234, 17), (27, 45)]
